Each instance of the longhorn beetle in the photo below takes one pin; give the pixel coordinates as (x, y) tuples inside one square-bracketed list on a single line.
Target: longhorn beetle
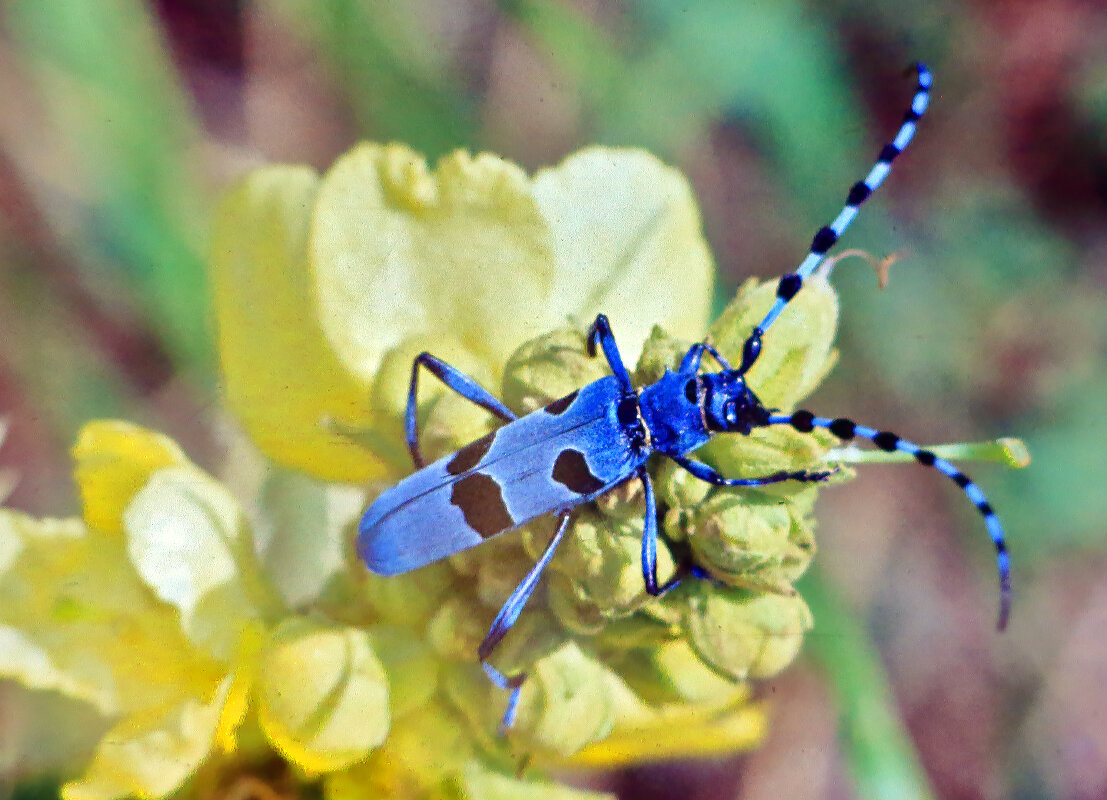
[(583, 445)]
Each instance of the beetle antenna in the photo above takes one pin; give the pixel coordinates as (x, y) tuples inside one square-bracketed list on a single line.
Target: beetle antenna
[(828, 235), (844, 429)]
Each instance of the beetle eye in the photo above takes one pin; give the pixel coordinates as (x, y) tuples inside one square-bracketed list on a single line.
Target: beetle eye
[(730, 412)]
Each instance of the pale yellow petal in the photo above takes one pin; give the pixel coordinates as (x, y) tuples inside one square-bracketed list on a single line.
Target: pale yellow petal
[(151, 754), (113, 460), (75, 618), (478, 782), (694, 733), (281, 377), (704, 715), (629, 243), (398, 250), (189, 543)]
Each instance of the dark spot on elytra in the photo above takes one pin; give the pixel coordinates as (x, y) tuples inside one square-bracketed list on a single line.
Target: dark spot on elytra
[(562, 405), (571, 470), (481, 501), (470, 455)]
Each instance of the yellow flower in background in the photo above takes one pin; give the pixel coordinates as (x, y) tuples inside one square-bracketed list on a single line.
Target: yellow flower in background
[(224, 621)]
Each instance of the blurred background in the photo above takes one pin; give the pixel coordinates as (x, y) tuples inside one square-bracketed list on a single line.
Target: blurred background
[(121, 120)]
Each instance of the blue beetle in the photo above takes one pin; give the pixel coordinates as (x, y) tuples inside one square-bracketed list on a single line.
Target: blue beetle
[(602, 435)]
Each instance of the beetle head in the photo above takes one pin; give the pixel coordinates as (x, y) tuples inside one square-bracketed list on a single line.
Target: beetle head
[(730, 406)]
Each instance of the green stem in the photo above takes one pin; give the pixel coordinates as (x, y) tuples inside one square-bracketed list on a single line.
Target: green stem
[(1009, 451), (881, 755)]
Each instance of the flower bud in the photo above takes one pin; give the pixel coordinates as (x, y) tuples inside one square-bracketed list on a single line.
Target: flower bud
[(549, 367), (746, 635)]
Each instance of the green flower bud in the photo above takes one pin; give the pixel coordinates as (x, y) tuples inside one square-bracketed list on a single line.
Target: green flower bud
[(566, 703), (408, 600), (549, 367), (661, 351), (749, 541), (322, 694), (456, 630), (746, 635), (410, 666), (573, 608), (768, 450), (603, 556), (677, 487)]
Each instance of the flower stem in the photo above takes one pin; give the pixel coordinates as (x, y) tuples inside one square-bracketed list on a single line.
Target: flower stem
[(882, 758), (1008, 451)]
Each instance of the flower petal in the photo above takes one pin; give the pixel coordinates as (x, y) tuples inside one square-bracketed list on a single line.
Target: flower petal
[(306, 522), (282, 379), (480, 783), (668, 704), (74, 618), (686, 733), (151, 755), (398, 250), (629, 243), (113, 461), (188, 541)]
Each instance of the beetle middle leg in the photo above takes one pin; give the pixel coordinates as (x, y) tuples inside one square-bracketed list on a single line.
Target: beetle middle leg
[(649, 545)]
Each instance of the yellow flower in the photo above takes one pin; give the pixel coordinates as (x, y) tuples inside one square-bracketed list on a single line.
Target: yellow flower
[(203, 617), (498, 273)]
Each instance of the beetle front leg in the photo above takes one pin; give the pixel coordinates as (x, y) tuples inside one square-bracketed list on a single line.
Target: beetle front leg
[(706, 473), (690, 364)]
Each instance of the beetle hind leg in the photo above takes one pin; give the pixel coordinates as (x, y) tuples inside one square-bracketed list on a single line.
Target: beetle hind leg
[(507, 617)]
